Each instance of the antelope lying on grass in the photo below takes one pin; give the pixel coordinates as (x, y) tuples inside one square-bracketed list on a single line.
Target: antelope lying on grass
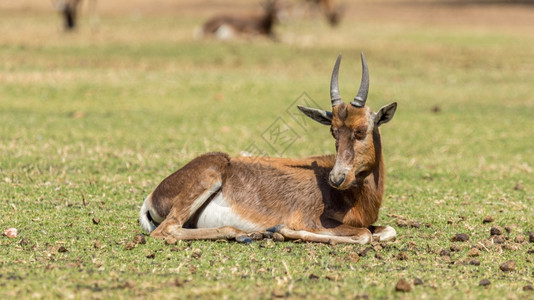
[(333, 198), (229, 26)]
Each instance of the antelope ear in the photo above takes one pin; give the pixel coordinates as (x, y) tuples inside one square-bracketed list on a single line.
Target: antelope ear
[(319, 115), (385, 114)]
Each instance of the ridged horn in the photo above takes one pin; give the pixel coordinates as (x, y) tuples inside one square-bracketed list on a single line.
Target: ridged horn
[(359, 100), (335, 97)]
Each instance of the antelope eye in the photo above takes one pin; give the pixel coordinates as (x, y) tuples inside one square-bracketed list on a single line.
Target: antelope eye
[(360, 134)]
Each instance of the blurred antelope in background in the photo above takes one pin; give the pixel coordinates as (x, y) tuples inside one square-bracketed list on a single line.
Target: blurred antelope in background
[(332, 198), (230, 26), (69, 10)]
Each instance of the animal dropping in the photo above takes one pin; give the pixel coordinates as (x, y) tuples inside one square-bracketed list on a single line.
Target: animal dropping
[(326, 199)]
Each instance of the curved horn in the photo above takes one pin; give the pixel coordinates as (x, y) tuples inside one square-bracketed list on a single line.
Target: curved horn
[(359, 100), (335, 97)]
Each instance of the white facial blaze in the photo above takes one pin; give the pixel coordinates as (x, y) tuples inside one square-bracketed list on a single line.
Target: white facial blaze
[(342, 165)]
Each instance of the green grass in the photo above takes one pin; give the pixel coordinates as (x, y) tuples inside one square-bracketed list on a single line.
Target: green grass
[(92, 122)]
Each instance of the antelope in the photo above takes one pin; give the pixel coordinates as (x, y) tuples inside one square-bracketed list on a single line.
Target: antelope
[(69, 11), (228, 26), (328, 199)]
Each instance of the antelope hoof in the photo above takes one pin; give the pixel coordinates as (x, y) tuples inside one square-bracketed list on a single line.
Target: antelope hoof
[(243, 239), (276, 228)]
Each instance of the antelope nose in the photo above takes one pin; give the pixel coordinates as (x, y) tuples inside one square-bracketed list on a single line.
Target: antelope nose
[(336, 181)]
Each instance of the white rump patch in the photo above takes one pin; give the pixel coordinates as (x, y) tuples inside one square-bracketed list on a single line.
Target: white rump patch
[(218, 214), (143, 218), (224, 32)]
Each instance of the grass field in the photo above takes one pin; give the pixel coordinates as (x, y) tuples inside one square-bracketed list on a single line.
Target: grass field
[(92, 121)]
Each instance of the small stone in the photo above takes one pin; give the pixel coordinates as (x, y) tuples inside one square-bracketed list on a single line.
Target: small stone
[(460, 237), (402, 223), (139, 239), (417, 281), (445, 252), (511, 247), (278, 293), (520, 239), (496, 230), (473, 252), (363, 252), (97, 244), (170, 241), (277, 237), (498, 239), (484, 282), (24, 242), (196, 254), (352, 257), (414, 224), (455, 248), (402, 256), (528, 288), (474, 262), (331, 277), (519, 186), (531, 237), (179, 282), (151, 255), (62, 249), (508, 229), (488, 219), (96, 221), (507, 266), (130, 246), (403, 286), (128, 284)]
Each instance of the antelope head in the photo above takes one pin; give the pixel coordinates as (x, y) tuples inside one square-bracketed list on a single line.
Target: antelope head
[(354, 126)]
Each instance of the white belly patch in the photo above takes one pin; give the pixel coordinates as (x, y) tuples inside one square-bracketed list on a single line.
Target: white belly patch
[(218, 214)]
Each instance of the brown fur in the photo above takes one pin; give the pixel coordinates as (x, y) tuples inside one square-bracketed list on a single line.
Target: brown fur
[(306, 198)]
